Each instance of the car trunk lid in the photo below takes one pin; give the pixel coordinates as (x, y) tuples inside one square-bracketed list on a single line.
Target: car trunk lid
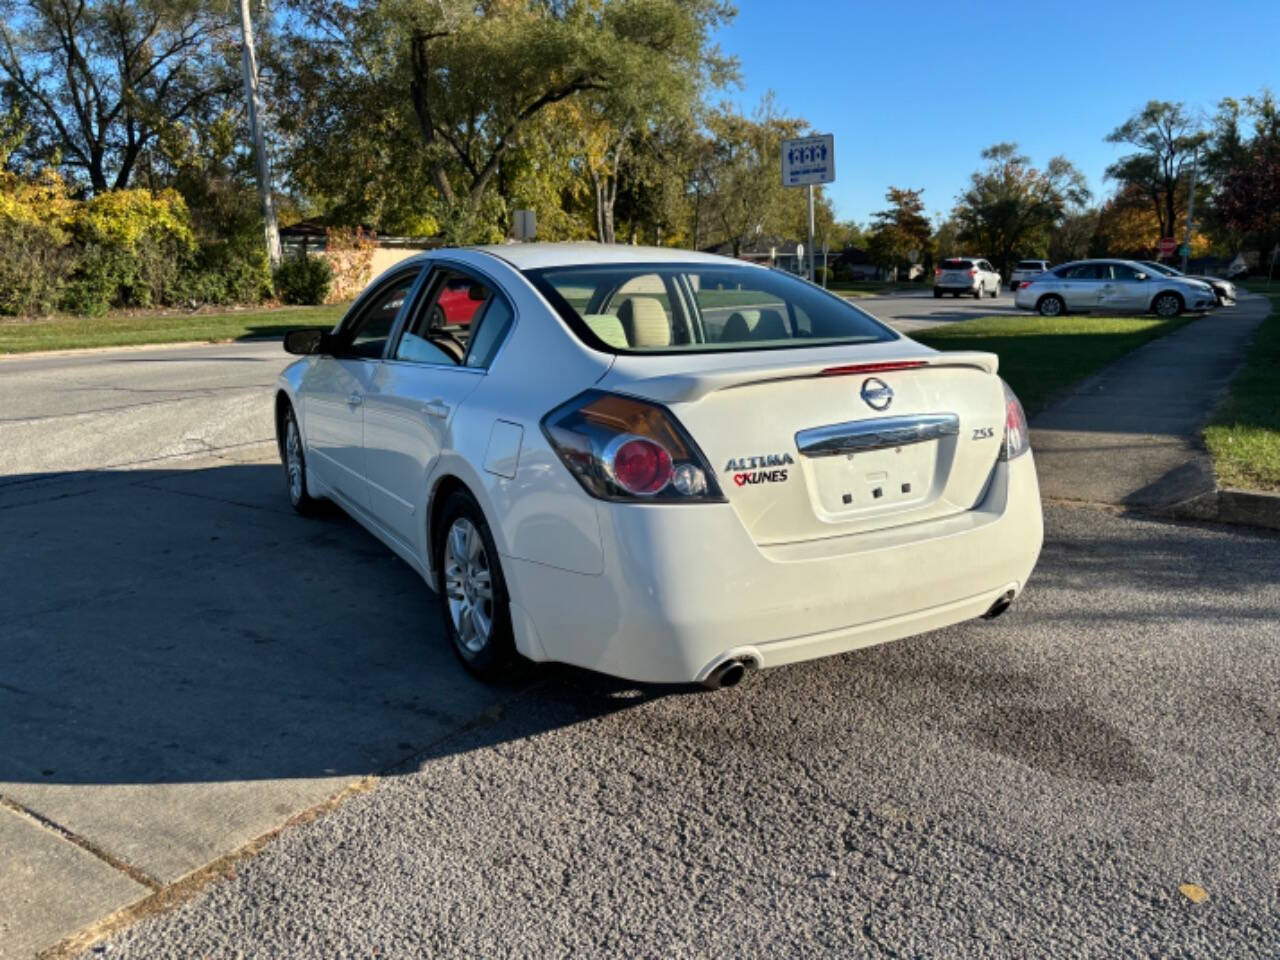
[(824, 443)]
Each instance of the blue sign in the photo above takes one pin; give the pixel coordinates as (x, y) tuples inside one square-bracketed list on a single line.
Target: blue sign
[(808, 160)]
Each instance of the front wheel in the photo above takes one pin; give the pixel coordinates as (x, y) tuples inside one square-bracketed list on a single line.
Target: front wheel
[(295, 467), (473, 592), (1051, 306), (1167, 305)]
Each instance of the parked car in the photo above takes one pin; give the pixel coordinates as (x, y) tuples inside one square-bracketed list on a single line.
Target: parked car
[(663, 465), (1224, 290), (1026, 270), (1111, 286), (968, 275)]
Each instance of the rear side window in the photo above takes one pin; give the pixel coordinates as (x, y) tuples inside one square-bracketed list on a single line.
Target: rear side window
[(1030, 264), (957, 264), (646, 308)]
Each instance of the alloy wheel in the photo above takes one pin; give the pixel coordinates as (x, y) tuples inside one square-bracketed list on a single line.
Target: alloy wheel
[(468, 585), (293, 459)]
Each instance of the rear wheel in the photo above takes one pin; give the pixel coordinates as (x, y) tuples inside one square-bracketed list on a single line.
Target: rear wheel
[(1051, 306), (473, 592), (980, 292), (1167, 305), (937, 294)]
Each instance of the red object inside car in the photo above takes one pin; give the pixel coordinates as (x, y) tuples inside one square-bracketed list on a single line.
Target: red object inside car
[(457, 304)]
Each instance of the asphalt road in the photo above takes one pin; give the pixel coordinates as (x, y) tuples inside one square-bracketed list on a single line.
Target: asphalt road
[(1037, 786)]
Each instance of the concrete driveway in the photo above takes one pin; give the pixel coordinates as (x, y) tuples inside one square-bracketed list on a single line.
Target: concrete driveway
[(185, 666)]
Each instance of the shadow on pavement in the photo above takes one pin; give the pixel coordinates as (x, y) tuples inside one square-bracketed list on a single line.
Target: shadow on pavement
[(179, 626)]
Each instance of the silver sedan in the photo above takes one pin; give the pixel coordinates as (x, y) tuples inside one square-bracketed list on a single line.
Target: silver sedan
[(1112, 286)]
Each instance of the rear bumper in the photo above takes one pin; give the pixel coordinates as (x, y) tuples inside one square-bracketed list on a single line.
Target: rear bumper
[(685, 588), (954, 288)]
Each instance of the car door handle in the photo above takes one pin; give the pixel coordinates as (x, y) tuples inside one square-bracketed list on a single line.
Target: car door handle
[(355, 400), (437, 408)]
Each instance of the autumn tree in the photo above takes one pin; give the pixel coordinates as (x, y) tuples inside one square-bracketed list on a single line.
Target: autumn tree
[(1011, 208), (1165, 137), (900, 228)]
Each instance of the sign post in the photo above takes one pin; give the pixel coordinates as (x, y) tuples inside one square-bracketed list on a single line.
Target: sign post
[(1191, 209), (806, 161)]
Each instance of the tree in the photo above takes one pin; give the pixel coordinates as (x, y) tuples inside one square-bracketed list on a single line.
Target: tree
[(1247, 202), (901, 228), (1011, 207), (1166, 137), (1073, 237), (737, 183), (452, 87), (100, 80)]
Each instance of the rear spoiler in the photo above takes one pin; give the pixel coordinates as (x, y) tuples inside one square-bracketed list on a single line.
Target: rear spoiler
[(690, 387)]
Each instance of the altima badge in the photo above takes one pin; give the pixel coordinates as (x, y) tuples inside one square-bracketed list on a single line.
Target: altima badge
[(877, 393), (747, 470)]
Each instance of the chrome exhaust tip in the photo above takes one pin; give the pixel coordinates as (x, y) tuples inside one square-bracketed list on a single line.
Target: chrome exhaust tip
[(727, 674), (1000, 606)]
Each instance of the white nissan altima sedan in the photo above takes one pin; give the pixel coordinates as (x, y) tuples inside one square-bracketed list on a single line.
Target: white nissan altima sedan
[(658, 464)]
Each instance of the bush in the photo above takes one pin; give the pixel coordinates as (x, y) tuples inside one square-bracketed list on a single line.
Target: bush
[(34, 265), (132, 247), (303, 279)]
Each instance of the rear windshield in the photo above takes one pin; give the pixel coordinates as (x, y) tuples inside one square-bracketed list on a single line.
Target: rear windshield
[(956, 264), (1031, 264), (674, 308)]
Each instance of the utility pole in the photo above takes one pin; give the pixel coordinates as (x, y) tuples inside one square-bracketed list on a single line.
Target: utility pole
[(249, 63), (811, 250), (1191, 208)]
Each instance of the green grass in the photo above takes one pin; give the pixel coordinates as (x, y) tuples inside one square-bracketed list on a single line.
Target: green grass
[(1243, 436), (128, 329), (1041, 356)]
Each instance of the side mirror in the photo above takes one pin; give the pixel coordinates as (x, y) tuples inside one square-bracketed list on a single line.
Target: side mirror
[(1139, 276), (307, 342)]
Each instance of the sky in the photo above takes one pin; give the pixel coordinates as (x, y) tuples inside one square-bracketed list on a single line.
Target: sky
[(913, 93)]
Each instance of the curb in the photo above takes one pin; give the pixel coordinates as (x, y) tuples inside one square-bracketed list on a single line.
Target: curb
[(1246, 507)]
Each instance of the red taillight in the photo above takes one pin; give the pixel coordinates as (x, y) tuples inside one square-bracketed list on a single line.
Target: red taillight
[(638, 465), (1017, 438), (937, 271), (623, 449), (1023, 284), (880, 367)]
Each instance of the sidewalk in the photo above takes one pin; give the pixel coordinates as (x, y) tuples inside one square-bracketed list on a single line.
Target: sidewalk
[(1130, 434)]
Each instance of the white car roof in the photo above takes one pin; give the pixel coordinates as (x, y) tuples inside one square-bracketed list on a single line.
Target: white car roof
[(533, 256)]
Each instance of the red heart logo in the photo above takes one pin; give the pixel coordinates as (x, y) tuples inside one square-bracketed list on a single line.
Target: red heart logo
[(739, 478)]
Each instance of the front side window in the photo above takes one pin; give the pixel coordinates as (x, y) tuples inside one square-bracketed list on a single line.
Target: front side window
[(367, 331), (671, 308)]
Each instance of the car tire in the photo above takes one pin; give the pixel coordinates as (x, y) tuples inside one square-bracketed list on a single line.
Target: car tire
[(474, 605), (937, 294), (1051, 305), (995, 292), (293, 456), (1167, 305), (980, 292)]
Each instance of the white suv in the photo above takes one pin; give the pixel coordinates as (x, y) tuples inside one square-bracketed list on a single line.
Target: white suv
[(1026, 270), (968, 275)]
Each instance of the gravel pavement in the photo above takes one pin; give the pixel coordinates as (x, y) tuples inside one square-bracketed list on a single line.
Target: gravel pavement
[(1041, 785)]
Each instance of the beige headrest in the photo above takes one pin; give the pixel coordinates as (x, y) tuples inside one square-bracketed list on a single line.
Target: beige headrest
[(645, 322), (608, 328)]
